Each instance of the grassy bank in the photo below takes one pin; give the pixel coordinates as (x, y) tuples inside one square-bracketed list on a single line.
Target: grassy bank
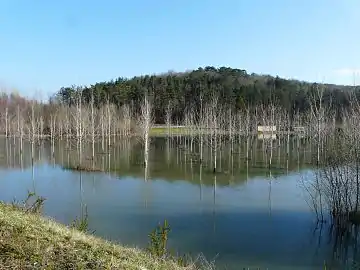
[(30, 241)]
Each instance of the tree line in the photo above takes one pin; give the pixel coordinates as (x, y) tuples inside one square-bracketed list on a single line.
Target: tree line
[(176, 98), (235, 88)]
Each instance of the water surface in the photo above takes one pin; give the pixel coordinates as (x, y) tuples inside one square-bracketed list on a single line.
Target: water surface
[(243, 216)]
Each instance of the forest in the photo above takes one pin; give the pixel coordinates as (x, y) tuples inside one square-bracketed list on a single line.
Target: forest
[(235, 89)]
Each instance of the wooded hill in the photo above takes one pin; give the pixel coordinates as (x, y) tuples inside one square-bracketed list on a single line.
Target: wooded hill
[(234, 87)]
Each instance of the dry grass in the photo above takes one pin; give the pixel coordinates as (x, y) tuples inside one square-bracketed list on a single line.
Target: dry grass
[(30, 241), (82, 168)]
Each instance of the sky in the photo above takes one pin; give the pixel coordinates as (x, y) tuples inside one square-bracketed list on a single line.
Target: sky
[(45, 45)]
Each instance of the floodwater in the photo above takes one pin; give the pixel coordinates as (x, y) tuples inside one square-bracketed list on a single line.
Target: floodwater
[(243, 216)]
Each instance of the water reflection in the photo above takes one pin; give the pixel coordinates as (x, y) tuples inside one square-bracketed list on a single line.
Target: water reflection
[(244, 215)]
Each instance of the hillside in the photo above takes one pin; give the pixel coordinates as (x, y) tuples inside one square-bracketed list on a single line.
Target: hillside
[(234, 87)]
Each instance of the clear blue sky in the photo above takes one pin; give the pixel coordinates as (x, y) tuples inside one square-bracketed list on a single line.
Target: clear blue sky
[(48, 44)]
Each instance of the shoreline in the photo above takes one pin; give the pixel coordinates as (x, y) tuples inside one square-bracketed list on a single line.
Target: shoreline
[(32, 241)]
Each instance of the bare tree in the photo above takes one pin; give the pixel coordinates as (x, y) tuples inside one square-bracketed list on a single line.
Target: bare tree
[(248, 132), (126, 112), (109, 120), (61, 121), (79, 126), (231, 134), (92, 127), (214, 123), (168, 118), (189, 126), (20, 128), (6, 121), (146, 121), (53, 120), (102, 121), (319, 189), (318, 113), (201, 128), (67, 125), (32, 130)]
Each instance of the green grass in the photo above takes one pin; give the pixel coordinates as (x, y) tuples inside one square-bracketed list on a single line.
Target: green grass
[(30, 241), (157, 131)]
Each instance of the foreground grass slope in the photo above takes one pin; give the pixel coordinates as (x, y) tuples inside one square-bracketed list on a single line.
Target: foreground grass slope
[(29, 241)]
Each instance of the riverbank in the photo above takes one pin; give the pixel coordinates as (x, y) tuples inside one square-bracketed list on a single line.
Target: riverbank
[(30, 241)]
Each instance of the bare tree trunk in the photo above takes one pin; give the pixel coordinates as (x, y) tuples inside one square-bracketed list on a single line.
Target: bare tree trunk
[(79, 126), (61, 122), (6, 121), (102, 130), (80, 132), (21, 135), (126, 112), (32, 133), (247, 134), (109, 118), (41, 128), (231, 138), (288, 141), (272, 122), (67, 128), (192, 131), (214, 125), (18, 120), (201, 124), (52, 134), (92, 129), (20, 127), (168, 125), (146, 122)]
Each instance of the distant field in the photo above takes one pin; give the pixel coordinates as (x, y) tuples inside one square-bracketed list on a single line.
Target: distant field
[(163, 130)]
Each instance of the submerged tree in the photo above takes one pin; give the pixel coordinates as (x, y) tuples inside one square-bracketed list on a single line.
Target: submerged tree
[(335, 191), (146, 121)]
